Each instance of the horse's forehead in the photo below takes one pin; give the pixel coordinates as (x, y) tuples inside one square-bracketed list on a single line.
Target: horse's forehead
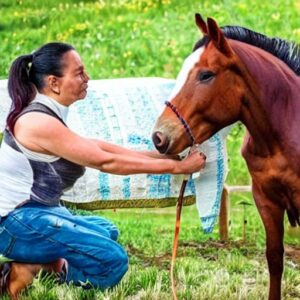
[(187, 66)]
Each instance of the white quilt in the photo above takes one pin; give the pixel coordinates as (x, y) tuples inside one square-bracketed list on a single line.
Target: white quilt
[(124, 111)]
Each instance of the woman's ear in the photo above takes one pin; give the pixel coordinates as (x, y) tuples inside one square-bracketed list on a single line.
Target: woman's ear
[(53, 84)]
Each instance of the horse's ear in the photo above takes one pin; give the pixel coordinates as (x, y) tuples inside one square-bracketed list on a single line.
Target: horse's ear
[(218, 38), (201, 24)]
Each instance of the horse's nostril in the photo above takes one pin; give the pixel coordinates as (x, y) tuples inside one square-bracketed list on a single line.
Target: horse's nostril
[(160, 141)]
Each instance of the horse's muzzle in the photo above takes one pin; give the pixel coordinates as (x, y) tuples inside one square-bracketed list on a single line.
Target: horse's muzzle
[(160, 141)]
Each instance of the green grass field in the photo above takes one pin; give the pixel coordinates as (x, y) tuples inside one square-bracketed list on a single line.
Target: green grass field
[(140, 38)]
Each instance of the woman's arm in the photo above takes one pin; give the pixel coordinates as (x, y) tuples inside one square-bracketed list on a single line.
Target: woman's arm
[(52, 137), (113, 148)]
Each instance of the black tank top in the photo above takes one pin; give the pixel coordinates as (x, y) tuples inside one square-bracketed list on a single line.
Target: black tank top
[(50, 179)]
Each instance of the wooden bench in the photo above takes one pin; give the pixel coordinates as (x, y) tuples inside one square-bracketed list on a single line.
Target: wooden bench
[(225, 208)]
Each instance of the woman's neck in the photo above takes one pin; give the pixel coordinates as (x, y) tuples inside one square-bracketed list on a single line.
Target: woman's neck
[(60, 109)]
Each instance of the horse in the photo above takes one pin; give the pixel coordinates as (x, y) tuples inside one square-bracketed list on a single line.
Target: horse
[(236, 74)]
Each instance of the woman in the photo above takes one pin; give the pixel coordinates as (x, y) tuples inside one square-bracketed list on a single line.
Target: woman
[(40, 158)]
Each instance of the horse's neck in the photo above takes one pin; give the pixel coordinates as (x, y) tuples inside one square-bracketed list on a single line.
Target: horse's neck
[(272, 112)]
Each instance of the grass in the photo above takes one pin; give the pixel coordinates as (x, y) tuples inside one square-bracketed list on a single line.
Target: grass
[(205, 268), (137, 38)]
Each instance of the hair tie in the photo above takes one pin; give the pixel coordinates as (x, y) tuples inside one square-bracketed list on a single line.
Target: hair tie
[(29, 62)]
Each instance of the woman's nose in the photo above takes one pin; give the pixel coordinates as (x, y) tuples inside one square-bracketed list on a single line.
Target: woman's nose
[(86, 76)]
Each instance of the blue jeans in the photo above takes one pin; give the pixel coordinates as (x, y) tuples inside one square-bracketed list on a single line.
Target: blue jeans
[(35, 233)]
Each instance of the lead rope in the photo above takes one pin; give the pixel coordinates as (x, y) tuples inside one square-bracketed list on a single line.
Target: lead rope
[(176, 233), (181, 193)]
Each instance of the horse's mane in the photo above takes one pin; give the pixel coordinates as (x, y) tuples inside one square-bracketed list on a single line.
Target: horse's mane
[(286, 51)]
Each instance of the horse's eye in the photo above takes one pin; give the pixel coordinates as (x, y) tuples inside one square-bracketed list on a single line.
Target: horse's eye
[(206, 76)]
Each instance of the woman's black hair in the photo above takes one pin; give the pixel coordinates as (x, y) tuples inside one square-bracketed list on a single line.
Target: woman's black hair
[(27, 74)]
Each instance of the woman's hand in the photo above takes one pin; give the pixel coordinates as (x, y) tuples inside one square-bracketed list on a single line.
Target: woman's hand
[(194, 162)]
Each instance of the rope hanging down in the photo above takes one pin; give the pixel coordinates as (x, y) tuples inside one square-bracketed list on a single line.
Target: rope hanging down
[(176, 234)]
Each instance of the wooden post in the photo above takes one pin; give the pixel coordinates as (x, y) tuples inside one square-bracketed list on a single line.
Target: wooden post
[(224, 215)]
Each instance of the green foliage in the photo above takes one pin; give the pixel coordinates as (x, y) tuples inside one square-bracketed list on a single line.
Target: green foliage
[(123, 38), (137, 38)]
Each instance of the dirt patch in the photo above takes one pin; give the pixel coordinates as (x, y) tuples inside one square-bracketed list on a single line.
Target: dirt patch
[(293, 252), (162, 261)]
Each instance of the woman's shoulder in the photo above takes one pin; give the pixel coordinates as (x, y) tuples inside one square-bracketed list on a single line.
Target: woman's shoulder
[(35, 127)]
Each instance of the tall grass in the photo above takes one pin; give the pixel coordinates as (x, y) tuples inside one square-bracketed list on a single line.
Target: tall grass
[(122, 38), (137, 38)]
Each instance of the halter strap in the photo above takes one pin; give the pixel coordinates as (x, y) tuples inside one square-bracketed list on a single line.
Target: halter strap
[(182, 121)]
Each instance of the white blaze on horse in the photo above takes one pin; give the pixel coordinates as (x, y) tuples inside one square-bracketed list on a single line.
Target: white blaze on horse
[(236, 74)]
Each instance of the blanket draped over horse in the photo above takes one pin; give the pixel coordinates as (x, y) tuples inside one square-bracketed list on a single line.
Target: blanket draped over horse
[(237, 74)]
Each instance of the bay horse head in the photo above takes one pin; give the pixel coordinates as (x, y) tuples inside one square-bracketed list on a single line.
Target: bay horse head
[(209, 99), (235, 74)]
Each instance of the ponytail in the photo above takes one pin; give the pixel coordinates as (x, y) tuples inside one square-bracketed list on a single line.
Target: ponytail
[(27, 75), (21, 90)]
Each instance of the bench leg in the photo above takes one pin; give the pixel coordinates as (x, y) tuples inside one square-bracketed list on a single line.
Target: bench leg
[(224, 216)]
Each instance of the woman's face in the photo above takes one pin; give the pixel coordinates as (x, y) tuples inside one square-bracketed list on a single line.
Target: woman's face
[(73, 85)]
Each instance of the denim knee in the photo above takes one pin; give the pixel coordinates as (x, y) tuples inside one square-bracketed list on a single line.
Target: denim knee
[(114, 233), (120, 267)]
